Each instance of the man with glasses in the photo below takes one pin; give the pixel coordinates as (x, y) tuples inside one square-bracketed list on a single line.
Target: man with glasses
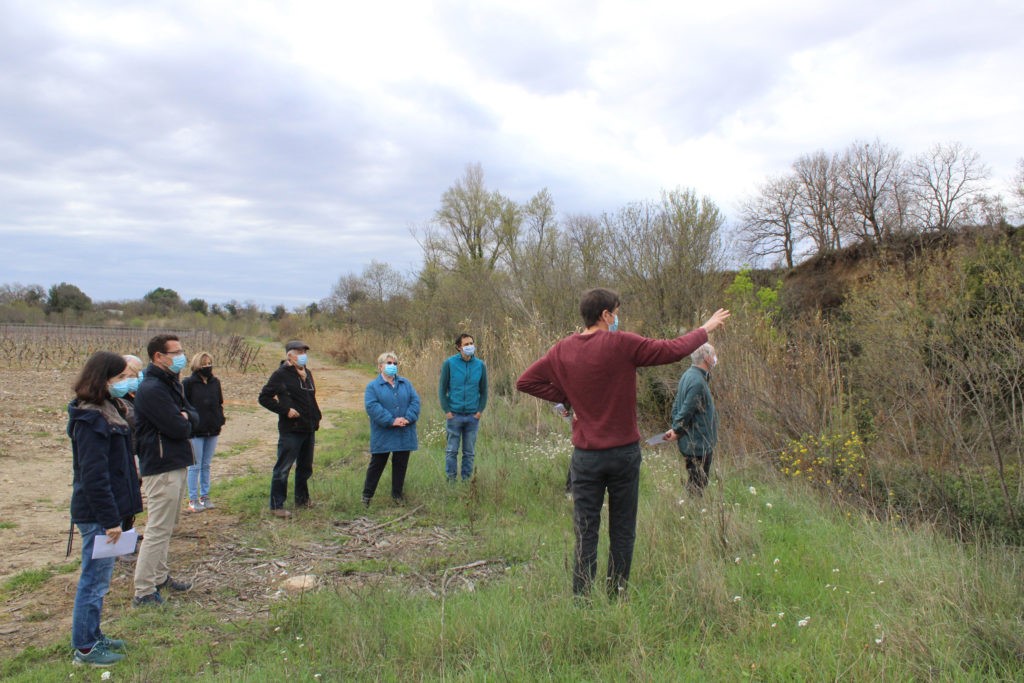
[(164, 421), (291, 393)]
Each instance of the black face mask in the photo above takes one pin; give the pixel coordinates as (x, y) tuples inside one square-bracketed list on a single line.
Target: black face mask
[(206, 372)]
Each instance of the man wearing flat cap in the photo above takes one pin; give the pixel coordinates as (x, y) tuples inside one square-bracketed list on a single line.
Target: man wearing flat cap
[(291, 393)]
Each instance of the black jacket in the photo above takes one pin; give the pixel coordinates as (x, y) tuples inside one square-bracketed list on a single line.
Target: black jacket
[(208, 400), (161, 432), (284, 390), (105, 485)]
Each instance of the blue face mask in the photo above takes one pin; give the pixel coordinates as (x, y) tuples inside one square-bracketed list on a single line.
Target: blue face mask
[(469, 349), (141, 374), (178, 363), (390, 369), (614, 327), (119, 389), (301, 360), (133, 383)]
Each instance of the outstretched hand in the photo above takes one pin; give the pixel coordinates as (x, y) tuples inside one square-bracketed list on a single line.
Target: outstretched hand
[(716, 320)]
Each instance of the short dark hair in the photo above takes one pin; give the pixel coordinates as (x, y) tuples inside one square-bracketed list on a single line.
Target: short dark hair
[(595, 302), (91, 385), (463, 335), (158, 343)]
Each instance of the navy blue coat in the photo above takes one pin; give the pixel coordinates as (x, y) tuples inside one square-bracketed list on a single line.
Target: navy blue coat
[(383, 404), (162, 433), (105, 486)]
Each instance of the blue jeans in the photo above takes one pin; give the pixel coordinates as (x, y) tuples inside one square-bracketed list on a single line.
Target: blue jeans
[(462, 427), (93, 584), (199, 474), (293, 448)]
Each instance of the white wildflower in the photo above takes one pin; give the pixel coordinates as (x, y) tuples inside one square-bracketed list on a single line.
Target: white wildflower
[(774, 624), (736, 598), (781, 615), (105, 676), (753, 491), (775, 561), (737, 560), (803, 622), (768, 505)]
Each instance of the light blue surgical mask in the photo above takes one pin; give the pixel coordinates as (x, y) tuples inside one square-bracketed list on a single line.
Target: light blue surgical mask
[(614, 327), (178, 363), (469, 349), (133, 383), (141, 375), (301, 360), (390, 369), (119, 389)]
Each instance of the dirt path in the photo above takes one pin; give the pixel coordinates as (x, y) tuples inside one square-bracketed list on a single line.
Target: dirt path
[(35, 482)]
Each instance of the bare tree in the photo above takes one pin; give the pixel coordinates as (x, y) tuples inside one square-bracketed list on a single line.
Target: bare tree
[(382, 282), (871, 178), (947, 179), (768, 219), (820, 206), (474, 227), (588, 241), (665, 257), (1017, 188)]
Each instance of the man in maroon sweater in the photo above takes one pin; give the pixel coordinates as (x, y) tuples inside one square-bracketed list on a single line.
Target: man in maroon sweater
[(594, 374)]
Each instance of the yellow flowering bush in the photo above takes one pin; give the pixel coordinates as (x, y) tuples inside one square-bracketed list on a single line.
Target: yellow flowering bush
[(834, 461)]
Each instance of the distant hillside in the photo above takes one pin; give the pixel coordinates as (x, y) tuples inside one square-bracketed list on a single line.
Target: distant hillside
[(821, 283)]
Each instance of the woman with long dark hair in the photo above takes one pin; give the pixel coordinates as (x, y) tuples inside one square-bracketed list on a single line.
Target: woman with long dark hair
[(105, 494)]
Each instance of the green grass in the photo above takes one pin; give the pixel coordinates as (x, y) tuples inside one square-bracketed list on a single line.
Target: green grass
[(770, 585), (8, 525), (26, 580)]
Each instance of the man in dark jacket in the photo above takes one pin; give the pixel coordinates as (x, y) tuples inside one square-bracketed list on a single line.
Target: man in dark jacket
[(291, 393), (694, 421), (164, 421)]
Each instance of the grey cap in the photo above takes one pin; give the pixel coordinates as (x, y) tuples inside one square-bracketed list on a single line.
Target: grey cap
[(296, 345)]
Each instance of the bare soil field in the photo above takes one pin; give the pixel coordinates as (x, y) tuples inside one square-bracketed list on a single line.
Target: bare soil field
[(35, 492)]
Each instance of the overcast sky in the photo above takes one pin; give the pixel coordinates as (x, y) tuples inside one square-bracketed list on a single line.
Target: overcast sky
[(257, 151)]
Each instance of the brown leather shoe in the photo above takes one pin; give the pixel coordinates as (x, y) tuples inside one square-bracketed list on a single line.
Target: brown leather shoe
[(281, 512)]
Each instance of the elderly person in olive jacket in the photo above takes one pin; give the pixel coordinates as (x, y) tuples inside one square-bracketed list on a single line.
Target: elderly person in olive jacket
[(694, 421), (393, 407)]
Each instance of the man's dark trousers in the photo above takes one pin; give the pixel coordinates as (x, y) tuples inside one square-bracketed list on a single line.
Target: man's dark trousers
[(293, 448), (616, 470)]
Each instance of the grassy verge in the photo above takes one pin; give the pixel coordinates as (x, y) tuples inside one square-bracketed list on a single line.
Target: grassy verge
[(759, 580)]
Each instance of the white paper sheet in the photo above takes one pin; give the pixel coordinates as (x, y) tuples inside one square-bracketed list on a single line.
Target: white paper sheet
[(125, 545), (657, 439)]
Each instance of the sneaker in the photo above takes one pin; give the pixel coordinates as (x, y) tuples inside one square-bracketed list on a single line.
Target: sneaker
[(99, 655), (112, 644), (280, 512), (399, 500), (366, 501), (195, 506), (205, 502), (154, 599), (175, 585)]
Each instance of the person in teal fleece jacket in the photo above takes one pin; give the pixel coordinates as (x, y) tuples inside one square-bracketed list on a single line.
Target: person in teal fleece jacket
[(463, 394), (694, 421)]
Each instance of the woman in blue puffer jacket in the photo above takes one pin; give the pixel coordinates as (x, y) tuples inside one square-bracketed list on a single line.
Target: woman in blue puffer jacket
[(393, 407)]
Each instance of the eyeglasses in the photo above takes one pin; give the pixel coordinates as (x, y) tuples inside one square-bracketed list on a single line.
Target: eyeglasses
[(176, 352)]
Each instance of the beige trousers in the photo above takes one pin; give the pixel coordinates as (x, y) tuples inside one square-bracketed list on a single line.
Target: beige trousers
[(164, 495)]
